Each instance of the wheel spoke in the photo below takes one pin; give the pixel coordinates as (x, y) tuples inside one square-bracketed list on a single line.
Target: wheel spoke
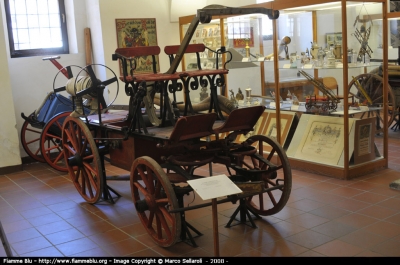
[(162, 223), (151, 219), (89, 181), (33, 141), (32, 130), (140, 187)]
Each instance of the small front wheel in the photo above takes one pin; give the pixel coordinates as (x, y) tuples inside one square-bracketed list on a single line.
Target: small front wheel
[(83, 159), (154, 196)]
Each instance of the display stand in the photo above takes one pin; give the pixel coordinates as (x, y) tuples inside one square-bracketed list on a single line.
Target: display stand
[(212, 188)]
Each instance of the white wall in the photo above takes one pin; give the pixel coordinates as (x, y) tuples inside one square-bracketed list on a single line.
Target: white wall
[(9, 141), (31, 78)]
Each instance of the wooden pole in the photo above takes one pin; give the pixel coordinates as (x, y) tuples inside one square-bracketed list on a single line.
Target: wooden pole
[(215, 227), (88, 47)]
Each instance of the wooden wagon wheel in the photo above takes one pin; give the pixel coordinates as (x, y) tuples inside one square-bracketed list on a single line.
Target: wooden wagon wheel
[(30, 140), (154, 196), (372, 84), (83, 160), (278, 174), (51, 142)]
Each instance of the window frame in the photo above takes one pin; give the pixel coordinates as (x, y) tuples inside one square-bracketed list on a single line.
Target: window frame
[(14, 53)]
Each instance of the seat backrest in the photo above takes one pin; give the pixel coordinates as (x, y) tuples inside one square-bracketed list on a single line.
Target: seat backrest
[(135, 53), (192, 127), (172, 50), (243, 119), (138, 51)]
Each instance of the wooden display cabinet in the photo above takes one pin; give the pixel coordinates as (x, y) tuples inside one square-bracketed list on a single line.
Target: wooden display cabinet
[(307, 23)]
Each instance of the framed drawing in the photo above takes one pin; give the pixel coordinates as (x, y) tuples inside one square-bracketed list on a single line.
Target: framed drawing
[(320, 139), (216, 32), (137, 32), (210, 32), (204, 33), (333, 38), (364, 149), (270, 128)]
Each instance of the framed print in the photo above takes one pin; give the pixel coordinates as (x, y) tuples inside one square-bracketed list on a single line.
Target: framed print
[(364, 149), (210, 32), (216, 32), (137, 32), (333, 38), (204, 33), (320, 139), (270, 128)]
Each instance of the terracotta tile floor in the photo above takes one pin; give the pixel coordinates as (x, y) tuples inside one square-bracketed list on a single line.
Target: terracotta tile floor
[(43, 215)]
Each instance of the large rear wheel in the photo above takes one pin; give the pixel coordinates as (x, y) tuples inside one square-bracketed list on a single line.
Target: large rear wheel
[(51, 142), (30, 140), (271, 161)]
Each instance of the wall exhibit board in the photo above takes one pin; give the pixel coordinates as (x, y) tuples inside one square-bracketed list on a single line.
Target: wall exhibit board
[(320, 139)]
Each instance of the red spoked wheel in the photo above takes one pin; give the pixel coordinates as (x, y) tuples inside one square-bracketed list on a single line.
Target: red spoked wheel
[(51, 142), (154, 196), (83, 159), (30, 140), (271, 160)]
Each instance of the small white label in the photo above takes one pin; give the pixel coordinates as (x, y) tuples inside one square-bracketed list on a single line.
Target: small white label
[(246, 60), (286, 66)]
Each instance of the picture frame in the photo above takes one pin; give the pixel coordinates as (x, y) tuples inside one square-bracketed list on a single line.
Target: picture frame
[(216, 32), (210, 32), (333, 38), (364, 149), (204, 33), (137, 32), (320, 139), (270, 129)]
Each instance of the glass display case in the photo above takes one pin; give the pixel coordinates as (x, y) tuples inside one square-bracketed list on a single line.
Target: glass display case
[(328, 64), (242, 37), (333, 70)]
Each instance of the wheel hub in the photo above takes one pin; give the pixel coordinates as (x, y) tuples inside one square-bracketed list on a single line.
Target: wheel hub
[(75, 160), (150, 201), (141, 206)]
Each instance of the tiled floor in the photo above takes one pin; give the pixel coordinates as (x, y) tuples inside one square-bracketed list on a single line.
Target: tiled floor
[(43, 215)]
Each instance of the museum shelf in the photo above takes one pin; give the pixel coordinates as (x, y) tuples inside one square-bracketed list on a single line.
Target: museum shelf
[(329, 25)]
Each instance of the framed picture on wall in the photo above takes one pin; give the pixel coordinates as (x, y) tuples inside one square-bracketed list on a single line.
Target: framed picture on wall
[(137, 32), (333, 38)]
